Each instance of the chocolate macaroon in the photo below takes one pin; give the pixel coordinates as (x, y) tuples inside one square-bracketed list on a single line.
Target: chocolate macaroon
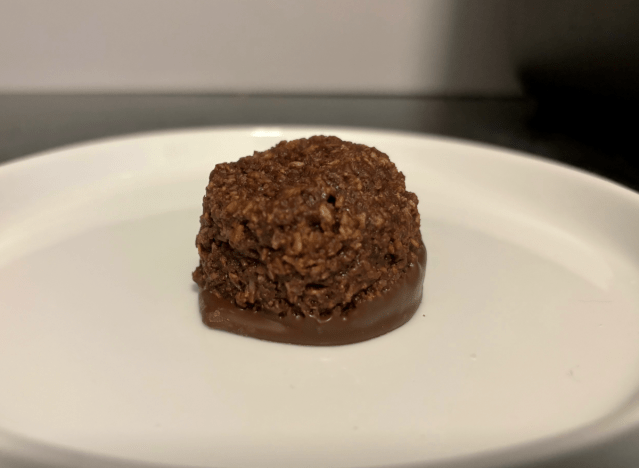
[(315, 241)]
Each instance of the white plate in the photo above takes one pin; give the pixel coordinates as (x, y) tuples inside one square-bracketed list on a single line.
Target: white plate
[(526, 344)]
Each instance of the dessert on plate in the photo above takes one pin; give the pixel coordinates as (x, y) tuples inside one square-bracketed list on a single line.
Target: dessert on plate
[(315, 241)]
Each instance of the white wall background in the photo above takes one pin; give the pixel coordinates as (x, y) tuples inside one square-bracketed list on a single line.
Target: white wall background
[(426, 47)]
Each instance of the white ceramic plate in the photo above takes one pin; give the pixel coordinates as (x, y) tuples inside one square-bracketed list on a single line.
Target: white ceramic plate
[(526, 344)]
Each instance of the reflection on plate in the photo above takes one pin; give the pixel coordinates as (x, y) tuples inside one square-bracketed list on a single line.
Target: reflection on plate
[(526, 344)]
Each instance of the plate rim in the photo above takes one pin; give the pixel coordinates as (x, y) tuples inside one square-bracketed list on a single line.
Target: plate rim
[(63, 150)]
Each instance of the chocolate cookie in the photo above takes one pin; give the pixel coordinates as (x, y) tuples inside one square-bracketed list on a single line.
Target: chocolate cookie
[(314, 241)]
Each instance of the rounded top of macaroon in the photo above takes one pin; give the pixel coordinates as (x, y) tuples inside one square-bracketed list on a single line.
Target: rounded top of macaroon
[(313, 225)]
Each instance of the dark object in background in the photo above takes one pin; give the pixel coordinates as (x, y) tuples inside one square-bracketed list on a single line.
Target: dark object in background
[(580, 61), (590, 47)]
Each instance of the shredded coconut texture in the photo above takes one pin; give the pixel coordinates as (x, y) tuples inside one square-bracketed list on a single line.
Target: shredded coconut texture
[(308, 228)]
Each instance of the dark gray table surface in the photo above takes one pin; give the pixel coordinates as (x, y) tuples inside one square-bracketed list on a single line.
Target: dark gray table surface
[(587, 138)]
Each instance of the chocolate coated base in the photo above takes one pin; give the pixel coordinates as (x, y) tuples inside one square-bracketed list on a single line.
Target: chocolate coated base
[(368, 320)]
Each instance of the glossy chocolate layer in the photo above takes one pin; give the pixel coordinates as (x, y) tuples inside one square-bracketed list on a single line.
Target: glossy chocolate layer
[(367, 320)]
